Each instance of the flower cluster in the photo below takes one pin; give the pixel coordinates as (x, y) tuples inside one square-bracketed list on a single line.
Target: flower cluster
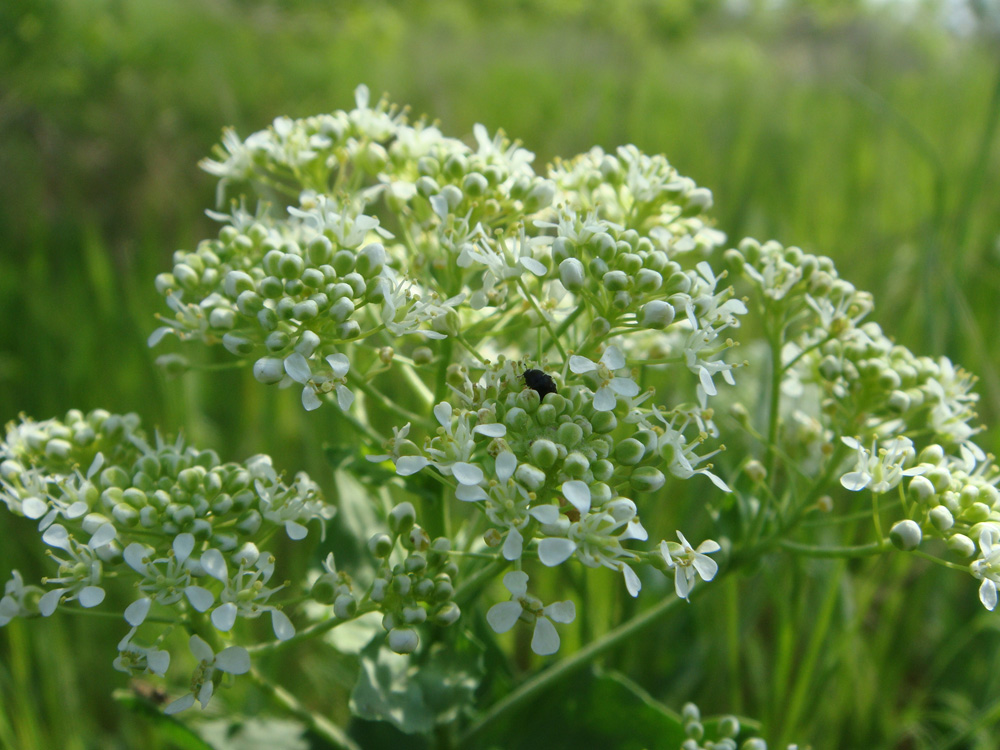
[(183, 527), (556, 473)]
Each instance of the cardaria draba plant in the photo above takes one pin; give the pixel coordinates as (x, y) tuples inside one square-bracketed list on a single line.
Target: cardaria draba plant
[(540, 368)]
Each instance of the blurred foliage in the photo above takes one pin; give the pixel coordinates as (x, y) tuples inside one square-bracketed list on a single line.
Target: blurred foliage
[(865, 133)]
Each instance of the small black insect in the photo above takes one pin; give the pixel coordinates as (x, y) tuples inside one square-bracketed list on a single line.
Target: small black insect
[(540, 382)]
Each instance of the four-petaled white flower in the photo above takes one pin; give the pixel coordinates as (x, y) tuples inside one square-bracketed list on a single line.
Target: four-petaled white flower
[(611, 385), (135, 659), (883, 470), (232, 660), (502, 616), (987, 567), (313, 384), (689, 562)]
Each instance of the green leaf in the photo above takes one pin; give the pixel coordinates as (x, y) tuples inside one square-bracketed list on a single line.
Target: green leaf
[(415, 694), (256, 734), (603, 710)]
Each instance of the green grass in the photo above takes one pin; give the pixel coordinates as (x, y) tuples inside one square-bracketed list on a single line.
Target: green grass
[(858, 137)]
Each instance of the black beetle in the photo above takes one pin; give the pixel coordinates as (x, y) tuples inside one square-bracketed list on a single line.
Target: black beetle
[(540, 382)]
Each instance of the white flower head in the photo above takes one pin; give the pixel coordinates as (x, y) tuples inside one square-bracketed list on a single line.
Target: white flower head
[(688, 562), (987, 566), (612, 385), (232, 660), (503, 616)]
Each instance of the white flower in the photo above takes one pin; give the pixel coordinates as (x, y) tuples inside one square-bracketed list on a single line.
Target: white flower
[(298, 369), (507, 259), (502, 616), (612, 385), (15, 601), (689, 562), (134, 659), (165, 580), (232, 660), (881, 471), (987, 566)]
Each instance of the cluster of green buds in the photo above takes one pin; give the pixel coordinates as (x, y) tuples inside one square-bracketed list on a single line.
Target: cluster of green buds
[(173, 520), (724, 731)]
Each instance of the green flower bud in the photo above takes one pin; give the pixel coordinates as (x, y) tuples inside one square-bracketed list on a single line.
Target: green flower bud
[(540, 196), (629, 452), (416, 562), (530, 476), (572, 274), (615, 281), (755, 471), (575, 465), (976, 513), (569, 434), (921, 489), (941, 517), (249, 522), (543, 453), (602, 469), (961, 545), (414, 615), (447, 614), (906, 535), (370, 260), (647, 479), (401, 584), (656, 314), (604, 422), (729, 726), (380, 545), (474, 184), (403, 640), (238, 345), (269, 370), (401, 518)]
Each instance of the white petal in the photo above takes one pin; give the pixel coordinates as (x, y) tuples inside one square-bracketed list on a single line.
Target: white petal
[(502, 616), (988, 594), (513, 546), (158, 661), (49, 601), (295, 531), (201, 650), (201, 598), (339, 363), (604, 399), (505, 465), (407, 465), (516, 582), (545, 640), (215, 564), (855, 480), (76, 510), (134, 555), (297, 368), (136, 612), (443, 413), (533, 265), (183, 547), (34, 507), (493, 430), (90, 596), (344, 397), (234, 660), (439, 205), (632, 582), (561, 611), (467, 473), (544, 513), (95, 465), (613, 358), (555, 550), (709, 545), (104, 534), (580, 365), (205, 693), (715, 480), (625, 387), (310, 401), (224, 617), (181, 704), (634, 530), (283, 628), (578, 494), (57, 536), (706, 381), (706, 566), (157, 336), (470, 493)]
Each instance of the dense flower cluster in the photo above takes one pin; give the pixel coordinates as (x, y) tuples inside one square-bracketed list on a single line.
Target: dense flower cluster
[(906, 419), (180, 525)]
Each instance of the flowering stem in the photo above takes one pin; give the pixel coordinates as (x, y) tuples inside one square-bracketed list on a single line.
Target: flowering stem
[(939, 561), (544, 320), (544, 680), (864, 550), (317, 723)]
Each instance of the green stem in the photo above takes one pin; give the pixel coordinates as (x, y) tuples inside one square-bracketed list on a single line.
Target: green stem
[(322, 726), (544, 320), (864, 550)]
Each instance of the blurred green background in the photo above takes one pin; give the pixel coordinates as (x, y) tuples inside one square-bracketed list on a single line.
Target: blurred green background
[(864, 131)]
